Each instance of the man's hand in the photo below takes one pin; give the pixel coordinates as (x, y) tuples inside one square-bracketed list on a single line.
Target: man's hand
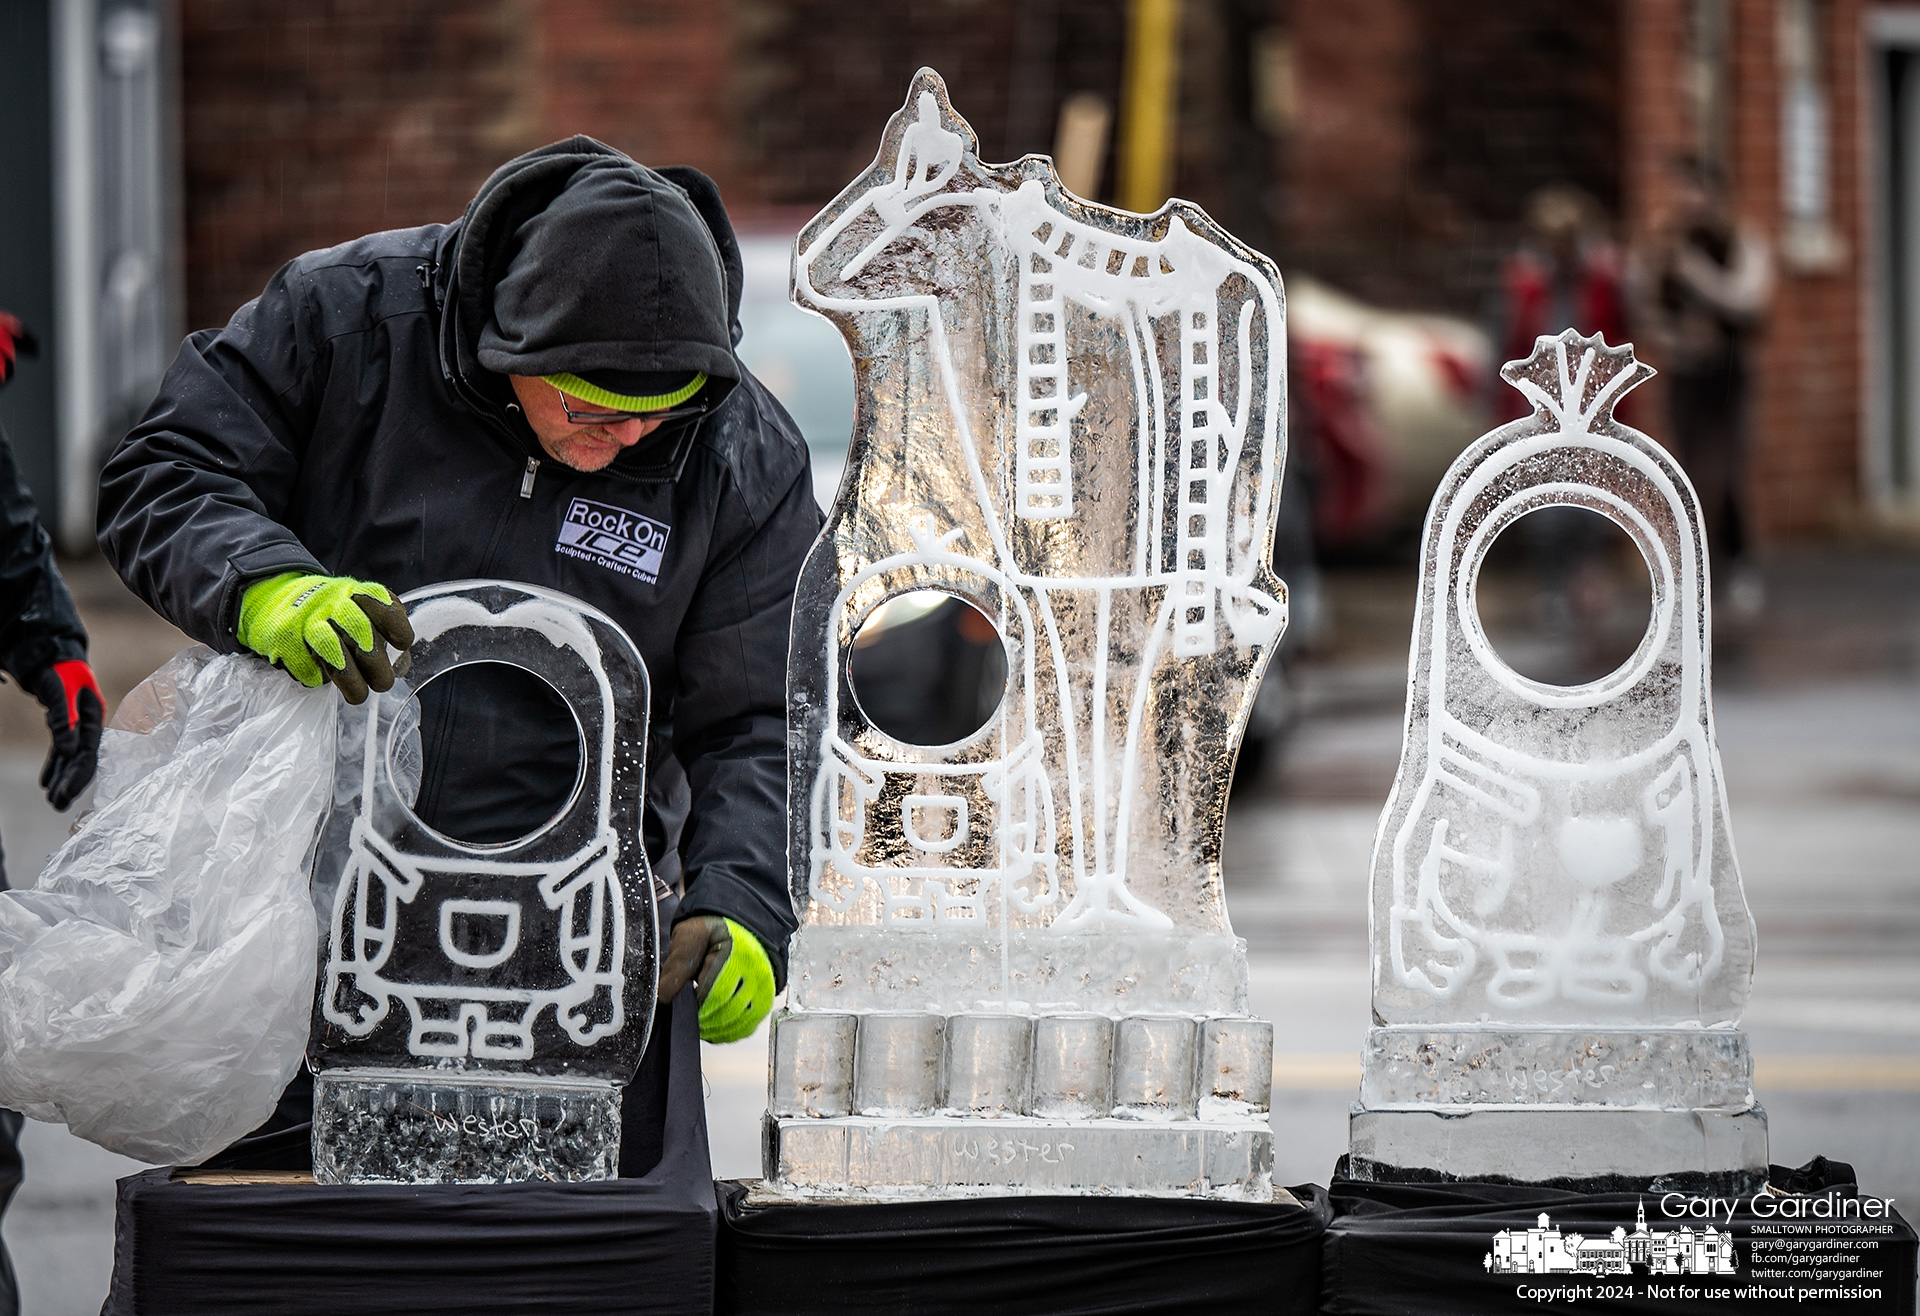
[(75, 711), (732, 976), (321, 628), (15, 341)]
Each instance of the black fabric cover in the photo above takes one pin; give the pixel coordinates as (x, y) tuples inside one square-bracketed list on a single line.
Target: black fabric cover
[(1397, 1249), (10, 1175), (1013, 1255), (619, 1246)]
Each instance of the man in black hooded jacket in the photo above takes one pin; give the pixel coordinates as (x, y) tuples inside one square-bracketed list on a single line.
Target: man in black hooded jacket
[(465, 400)]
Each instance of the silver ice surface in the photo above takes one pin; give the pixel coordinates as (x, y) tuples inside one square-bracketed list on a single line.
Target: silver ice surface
[(1071, 418), (1561, 946), (394, 1126), (526, 968), (989, 1057)]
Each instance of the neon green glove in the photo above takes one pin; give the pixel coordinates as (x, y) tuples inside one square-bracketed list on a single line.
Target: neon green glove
[(732, 975), (298, 622)]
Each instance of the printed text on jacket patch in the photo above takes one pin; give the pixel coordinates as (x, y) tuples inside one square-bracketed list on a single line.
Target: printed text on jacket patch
[(613, 537)]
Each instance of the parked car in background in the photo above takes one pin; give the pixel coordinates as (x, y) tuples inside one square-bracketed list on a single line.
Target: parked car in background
[(799, 356), (1381, 403)]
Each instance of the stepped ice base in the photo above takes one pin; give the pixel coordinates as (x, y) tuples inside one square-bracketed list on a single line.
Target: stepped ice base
[(1672, 1068), (940, 1156), (391, 1126), (1592, 1148)]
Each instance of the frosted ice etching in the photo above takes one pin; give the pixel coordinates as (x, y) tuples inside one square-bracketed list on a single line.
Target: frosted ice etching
[(1561, 945), (1014, 970), (480, 1006)]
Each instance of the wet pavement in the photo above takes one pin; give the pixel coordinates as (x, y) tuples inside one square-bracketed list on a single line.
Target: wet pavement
[(1818, 713)]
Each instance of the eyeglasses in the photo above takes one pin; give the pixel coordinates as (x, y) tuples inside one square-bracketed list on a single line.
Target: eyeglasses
[(615, 417)]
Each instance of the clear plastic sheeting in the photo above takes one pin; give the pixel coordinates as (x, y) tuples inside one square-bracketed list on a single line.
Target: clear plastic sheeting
[(156, 981)]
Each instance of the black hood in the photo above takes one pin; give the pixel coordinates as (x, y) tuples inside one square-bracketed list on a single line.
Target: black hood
[(589, 220)]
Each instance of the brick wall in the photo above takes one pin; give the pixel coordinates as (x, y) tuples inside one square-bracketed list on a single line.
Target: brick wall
[(1422, 128), (306, 125), (1809, 389), (1809, 412), (815, 81), (651, 77), (1348, 157)]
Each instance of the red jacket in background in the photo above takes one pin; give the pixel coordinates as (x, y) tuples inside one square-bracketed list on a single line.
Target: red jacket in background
[(1595, 299)]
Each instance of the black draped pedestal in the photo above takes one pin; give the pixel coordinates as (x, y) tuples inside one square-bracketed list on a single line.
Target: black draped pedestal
[(1014, 1255), (1814, 1244), (207, 1247)]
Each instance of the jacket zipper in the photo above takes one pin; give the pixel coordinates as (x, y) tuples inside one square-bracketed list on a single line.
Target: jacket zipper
[(506, 514)]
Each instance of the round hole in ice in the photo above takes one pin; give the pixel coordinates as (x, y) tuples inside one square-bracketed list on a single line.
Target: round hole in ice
[(496, 753), (1564, 596), (928, 668)]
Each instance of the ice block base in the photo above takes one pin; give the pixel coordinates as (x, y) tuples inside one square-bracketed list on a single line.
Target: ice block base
[(1666, 1067), (1592, 1149), (946, 1156), (376, 1126), (1602, 1110)]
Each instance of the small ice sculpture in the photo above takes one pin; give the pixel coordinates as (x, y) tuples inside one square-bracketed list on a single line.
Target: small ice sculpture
[(1561, 948), (480, 1007), (1014, 970)]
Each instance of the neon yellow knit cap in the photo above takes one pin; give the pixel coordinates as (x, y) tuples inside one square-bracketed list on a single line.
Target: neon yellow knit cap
[(574, 386)]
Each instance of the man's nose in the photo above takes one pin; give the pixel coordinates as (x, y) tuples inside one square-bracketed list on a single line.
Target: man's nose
[(626, 433)]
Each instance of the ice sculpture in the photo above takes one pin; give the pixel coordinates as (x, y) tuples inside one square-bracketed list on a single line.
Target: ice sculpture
[(1561, 948), (479, 1007), (1014, 970)]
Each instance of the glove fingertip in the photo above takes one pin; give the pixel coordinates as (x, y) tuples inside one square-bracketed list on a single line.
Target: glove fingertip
[(327, 651)]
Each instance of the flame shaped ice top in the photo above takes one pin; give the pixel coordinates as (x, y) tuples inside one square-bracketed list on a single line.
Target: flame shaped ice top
[(1576, 382)]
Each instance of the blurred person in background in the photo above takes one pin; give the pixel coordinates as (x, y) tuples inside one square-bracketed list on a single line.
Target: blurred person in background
[(43, 647), (1567, 274), (1700, 293)]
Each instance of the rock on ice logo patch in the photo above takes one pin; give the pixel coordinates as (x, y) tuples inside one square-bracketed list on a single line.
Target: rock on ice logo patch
[(613, 537)]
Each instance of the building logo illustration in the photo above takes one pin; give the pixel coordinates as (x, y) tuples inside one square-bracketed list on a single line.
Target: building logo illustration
[(1545, 1250)]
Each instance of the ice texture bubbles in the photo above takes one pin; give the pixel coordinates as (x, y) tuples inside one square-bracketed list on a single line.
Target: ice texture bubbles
[(1071, 418), (480, 1006), (1560, 941), (1560, 854)]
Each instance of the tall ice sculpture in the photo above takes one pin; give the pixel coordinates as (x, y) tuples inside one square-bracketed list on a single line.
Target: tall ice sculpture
[(480, 1007), (1561, 948), (1014, 970)]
